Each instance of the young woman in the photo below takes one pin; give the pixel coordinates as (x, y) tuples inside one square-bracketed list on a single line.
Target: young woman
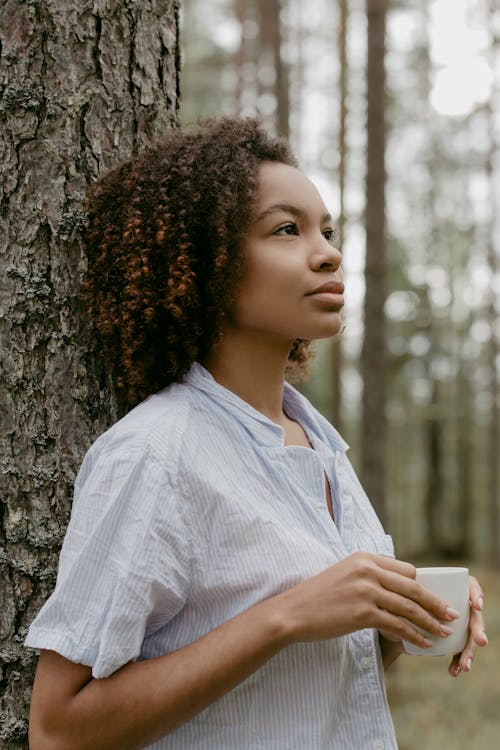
[(224, 582)]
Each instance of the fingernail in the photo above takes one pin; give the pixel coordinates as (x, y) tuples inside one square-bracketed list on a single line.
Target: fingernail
[(469, 664), (427, 643), (452, 613), (445, 630), (481, 603), (457, 671)]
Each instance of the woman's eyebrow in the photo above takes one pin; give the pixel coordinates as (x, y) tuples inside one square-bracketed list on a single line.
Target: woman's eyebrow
[(287, 208)]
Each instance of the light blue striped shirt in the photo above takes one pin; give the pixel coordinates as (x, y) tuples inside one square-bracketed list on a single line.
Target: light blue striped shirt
[(188, 511)]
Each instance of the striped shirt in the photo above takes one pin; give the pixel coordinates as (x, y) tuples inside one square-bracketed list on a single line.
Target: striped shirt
[(190, 510)]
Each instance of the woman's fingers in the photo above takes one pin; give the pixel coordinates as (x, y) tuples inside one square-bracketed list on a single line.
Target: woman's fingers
[(409, 605), (476, 623), (396, 629), (402, 605), (477, 637), (409, 599), (407, 586), (454, 668), (463, 662), (476, 594), (396, 566)]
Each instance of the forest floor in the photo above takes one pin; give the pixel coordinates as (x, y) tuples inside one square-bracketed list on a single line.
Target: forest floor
[(433, 711)]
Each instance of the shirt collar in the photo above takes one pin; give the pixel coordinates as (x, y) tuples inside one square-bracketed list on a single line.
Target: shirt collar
[(265, 431), (318, 428)]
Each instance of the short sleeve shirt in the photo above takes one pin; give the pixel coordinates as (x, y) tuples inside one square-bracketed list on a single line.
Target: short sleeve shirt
[(190, 510)]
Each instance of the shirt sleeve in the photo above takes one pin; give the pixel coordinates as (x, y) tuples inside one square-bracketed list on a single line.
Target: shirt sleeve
[(124, 565)]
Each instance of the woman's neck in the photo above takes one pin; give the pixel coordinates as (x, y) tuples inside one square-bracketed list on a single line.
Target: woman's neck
[(253, 368)]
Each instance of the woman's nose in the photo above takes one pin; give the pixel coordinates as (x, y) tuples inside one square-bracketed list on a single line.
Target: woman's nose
[(326, 256)]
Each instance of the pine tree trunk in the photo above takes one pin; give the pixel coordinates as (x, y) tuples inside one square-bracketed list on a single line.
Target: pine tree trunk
[(83, 85), (282, 77), (342, 148), (435, 490), (240, 56), (373, 359), (492, 311), (270, 58)]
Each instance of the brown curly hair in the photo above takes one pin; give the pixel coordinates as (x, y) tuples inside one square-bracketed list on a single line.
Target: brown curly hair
[(163, 243)]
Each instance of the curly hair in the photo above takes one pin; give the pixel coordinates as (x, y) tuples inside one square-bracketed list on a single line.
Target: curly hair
[(163, 244)]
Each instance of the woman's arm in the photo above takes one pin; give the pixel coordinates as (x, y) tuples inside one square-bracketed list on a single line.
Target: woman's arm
[(145, 700), (390, 649)]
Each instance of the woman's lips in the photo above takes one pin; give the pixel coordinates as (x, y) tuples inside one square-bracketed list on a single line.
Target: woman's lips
[(331, 292), (332, 298)]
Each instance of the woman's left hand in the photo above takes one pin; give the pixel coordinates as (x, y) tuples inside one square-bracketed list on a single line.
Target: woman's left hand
[(477, 637)]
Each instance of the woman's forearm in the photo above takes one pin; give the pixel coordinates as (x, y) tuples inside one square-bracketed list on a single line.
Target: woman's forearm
[(146, 700), (390, 650)]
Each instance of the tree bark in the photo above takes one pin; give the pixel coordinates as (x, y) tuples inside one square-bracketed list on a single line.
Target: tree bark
[(83, 85), (373, 358)]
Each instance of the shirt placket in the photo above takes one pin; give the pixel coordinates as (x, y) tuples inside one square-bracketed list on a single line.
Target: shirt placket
[(308, 471), (345, 502)]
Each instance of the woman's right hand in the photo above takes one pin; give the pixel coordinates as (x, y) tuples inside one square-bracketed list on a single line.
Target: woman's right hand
[(365, 591)]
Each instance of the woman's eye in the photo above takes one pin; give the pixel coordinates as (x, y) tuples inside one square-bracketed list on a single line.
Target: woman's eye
[(329, 234), (287, 229)]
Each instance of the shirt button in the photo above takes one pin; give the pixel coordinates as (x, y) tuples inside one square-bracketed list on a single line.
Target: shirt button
[(378, 745), (366, 664)]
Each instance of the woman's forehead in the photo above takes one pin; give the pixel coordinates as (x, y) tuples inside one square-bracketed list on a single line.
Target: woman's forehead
[(281, 184)]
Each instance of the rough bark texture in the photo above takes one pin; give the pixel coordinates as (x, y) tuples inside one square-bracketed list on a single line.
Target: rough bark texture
[(373, 360), (82, 85)]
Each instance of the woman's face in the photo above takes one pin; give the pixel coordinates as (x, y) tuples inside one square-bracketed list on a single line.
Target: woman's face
[(292, 287)]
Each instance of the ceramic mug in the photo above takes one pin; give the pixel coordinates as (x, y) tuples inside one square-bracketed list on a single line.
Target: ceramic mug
[(452, 586)]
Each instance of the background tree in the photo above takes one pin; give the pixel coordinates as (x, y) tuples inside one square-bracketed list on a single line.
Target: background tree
[(373, 358), (342, 148), (82, 86), (273, 72), (493, 308)]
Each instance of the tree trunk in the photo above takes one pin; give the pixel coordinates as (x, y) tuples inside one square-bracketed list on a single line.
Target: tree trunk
[(373, 358), (493, 350), (83, 85), (282, 77), (270, 58), (342, 147), (435, 489), (297, 36), (465, 499), (240, 56)]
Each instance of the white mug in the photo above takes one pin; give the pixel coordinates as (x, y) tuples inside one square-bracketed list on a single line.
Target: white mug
[(452, 586)]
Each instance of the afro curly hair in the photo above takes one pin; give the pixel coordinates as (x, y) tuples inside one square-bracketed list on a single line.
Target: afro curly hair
[(163, 245)]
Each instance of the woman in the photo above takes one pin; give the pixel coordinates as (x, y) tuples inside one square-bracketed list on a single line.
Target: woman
[(224, 581)]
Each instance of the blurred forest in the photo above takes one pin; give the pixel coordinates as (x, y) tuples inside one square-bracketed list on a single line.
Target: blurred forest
[(393, 109)]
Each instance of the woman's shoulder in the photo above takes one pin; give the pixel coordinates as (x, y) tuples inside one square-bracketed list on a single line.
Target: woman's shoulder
[(153, 430)]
